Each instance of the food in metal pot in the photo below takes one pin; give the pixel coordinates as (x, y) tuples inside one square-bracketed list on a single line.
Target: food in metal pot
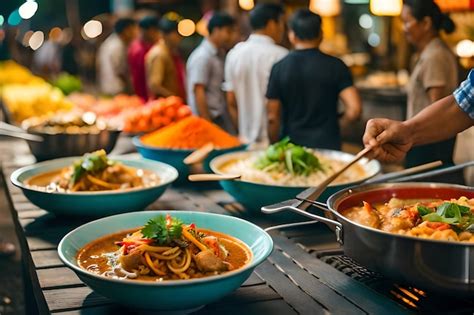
[(449, 220)]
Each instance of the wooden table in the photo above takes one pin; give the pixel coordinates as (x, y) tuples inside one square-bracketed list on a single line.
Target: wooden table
[(291, 281)]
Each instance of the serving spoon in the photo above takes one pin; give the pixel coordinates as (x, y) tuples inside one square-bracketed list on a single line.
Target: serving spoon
[(199, 155)]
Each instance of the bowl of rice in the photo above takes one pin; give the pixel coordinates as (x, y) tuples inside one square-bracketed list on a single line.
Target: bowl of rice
[(264, 183)]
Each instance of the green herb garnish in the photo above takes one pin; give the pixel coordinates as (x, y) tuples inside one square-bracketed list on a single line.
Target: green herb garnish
[(294, 158), (163, 230), (450, 213), (90, 162), (422, 210)]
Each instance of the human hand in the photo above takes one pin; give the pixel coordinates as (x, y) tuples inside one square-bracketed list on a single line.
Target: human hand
[(391, 139)]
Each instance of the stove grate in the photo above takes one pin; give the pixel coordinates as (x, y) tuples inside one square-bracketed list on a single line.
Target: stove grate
[(413, 298)]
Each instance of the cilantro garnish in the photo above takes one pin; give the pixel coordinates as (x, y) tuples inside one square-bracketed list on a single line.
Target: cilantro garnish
[(163, 230)]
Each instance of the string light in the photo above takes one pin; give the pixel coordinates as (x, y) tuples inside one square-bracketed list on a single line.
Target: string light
[(92, 29), (186, 27), (246, 4), (465, 48), (386, 7), (325, 7)]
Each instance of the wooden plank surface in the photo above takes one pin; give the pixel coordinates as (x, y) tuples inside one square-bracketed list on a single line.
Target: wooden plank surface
[(292, 281)]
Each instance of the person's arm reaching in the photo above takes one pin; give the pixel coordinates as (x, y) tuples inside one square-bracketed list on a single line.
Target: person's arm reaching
[(233, 109), (274, 116), (437, 122), (201, 101)]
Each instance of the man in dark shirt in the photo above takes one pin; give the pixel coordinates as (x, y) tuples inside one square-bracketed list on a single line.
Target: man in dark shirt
[(304, 89)]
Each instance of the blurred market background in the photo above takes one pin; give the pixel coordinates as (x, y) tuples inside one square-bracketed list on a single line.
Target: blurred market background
[(366, 35)]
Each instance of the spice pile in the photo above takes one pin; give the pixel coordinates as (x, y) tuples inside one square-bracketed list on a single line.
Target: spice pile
[(190, 133)]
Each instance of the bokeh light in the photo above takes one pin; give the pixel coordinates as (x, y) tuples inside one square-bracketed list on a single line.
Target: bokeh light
[(465, 48), (186, 27), (28, 9), (14, 19), (26, 38), (374, 39), (246, 4), (92, 29), (366, 21), (36, 40)]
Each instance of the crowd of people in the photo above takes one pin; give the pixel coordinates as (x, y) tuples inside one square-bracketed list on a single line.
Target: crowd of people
[(263, 92), (256, 89)]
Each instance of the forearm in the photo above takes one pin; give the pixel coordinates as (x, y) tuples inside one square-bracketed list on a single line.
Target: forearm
[(201, 106), (439, 121), (233, 110), (352, 104), (273, 129)]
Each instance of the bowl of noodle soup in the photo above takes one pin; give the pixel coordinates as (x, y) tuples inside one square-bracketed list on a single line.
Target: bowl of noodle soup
[(139, 182), (163, 293), (259, 187)]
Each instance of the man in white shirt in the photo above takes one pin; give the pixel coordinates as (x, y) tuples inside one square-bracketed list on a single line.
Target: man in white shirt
[(112, 57), (247, 69)]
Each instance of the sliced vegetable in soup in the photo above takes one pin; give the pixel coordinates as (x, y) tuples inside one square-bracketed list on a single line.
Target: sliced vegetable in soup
[(164, 249), (450, 220)]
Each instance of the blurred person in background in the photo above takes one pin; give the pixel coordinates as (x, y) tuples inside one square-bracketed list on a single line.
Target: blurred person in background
[(164, 66), (205, 72), (112, 64), (47, 60), (149, 35), (435, 74), (247, 69), (304, 89)]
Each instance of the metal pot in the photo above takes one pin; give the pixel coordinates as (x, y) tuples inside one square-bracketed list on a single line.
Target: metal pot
[(438, 266), (71, 144)]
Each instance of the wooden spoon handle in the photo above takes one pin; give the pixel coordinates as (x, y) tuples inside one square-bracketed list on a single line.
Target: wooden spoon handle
[(313, 193), (211, 177), (199, 155)]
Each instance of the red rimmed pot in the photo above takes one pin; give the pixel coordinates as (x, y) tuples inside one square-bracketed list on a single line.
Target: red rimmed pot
[(438, 266)]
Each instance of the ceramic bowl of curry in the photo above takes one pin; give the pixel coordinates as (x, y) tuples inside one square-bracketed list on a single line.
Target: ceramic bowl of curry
[(184, 295), (33, 181)]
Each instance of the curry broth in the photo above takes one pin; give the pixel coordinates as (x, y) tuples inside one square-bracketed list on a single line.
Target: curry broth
[(91, 259), (43, 180)]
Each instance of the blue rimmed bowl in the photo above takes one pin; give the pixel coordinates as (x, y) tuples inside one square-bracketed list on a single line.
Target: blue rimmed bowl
[(94, 204), (175, 157), (254, 195), (173, 295)]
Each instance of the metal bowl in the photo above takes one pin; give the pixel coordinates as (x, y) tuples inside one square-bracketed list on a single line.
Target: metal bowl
[(59, 145)]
